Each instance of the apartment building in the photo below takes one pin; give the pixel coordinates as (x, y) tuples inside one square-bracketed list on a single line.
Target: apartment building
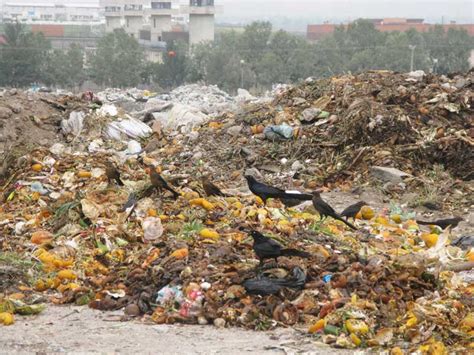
[(50, 12), (153, 19)]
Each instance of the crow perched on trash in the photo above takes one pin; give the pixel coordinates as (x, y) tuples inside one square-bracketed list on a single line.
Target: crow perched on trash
[(133, 199), (210, 189), (267, 248), (443, 223), (291, 202), (262, 285), (352, 210), (265, 191), (325, 210), (112, 173), (159, 183)]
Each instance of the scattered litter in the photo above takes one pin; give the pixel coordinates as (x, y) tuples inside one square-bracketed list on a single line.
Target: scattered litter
[(69, 236), (128, 128)]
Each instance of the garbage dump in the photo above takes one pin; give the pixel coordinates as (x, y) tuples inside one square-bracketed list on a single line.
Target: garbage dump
[(72, 234)]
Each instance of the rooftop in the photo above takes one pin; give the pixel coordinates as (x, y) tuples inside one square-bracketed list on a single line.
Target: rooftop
[(89, 6)]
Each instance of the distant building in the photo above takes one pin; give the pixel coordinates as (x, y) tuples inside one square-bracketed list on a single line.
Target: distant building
[(61, 24), (160, 14), (317, 32), (47, 12), (153, 20), (201, 20)]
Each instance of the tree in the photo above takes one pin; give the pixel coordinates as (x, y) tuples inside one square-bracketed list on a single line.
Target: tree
[(272, 69), (329, 56), (75, 65), (450, 49), (283, 44), (360, 46), (198, 62), (254, 41), (66, 69), (219, 63), (119, 60), (24, 56), (173, 71), (397, 53), (362, 35)]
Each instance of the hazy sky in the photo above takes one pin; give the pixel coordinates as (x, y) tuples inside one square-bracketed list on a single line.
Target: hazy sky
[(332, 10), (321, 10)]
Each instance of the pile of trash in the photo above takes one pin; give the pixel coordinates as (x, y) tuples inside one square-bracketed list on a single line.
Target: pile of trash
[(30, 119), (333, 132), (208, 99), (68, 235), (187, 260), (185, 107), (116, 95), (427, 118)]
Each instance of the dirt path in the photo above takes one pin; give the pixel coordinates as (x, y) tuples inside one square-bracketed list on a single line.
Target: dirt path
[(82, 330)]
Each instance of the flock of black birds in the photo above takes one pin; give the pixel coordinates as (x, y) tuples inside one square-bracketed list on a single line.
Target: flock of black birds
[(264, 247)]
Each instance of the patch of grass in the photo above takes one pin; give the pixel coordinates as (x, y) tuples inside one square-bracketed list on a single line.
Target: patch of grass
[(319, 227), (192, 228), (427, 196), (65, 208), (16, 260), (431, 190), (26, 270), (263, 324)]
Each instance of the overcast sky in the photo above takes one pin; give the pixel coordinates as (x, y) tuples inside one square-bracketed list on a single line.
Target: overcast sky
[(329, 10), (452, 9)]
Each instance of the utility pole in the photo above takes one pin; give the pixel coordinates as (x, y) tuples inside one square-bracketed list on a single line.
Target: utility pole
[(242, 62), (412, 61), (435, 65)]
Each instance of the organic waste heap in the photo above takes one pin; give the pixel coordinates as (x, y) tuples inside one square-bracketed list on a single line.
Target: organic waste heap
[(67, 235)]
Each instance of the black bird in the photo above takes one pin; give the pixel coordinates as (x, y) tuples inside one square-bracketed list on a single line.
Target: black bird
[(133, 199), (443, 223), (267, 248), (131, 202), (130, 205), (325, 210), (265, 191), (262, 285), (112, 173), (352, 210), (291, 202), (159, 183), (210, 189), (465, 242)]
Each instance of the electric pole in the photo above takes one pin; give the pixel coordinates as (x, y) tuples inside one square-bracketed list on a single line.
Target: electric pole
[(412, 61), (242, 62)]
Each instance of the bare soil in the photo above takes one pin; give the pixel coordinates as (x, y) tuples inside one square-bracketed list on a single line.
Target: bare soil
[(82, 330)]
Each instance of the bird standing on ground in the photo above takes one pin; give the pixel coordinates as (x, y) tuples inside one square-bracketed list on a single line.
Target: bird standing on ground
[(352, 210), (210, 189), (267, 248), (266, 191), (112, 173), (325, 210), (443, 223), (159, 183)]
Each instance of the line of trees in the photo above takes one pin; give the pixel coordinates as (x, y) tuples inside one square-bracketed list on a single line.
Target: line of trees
[(255, 58)]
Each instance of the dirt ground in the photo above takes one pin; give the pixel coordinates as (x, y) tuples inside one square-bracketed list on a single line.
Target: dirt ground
[(82, 330)]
